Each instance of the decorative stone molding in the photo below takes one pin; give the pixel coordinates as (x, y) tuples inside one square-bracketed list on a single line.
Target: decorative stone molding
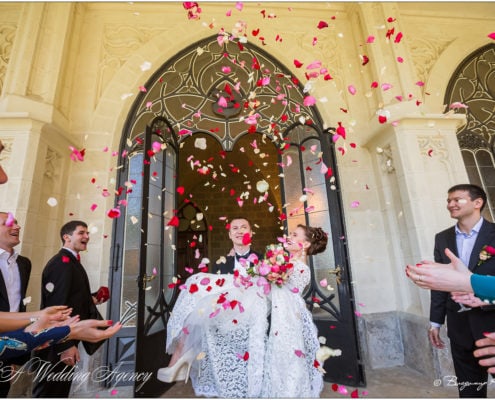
[(8, 143), (52, 164), (433, 146), (425, 52), (119, 43), (386, 159), (7, 36)]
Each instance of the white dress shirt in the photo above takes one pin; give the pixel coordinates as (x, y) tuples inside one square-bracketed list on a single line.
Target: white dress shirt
[(12, 278)]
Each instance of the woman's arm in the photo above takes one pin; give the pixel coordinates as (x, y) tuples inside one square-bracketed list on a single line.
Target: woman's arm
[(50, 316)]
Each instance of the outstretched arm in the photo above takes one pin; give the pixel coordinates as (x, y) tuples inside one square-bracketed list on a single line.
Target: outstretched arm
[(453, 277), (46, 318)]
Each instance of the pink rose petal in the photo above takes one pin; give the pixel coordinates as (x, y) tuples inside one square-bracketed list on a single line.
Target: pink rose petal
[(309, 101)]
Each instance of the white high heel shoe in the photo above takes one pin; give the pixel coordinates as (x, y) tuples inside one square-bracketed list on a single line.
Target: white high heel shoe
[(179, 371)]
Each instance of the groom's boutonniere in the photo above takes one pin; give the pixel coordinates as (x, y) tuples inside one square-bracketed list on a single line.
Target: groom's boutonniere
[(486, 253)]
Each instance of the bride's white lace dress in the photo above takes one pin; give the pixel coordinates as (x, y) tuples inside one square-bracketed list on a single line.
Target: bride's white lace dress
[(238, 354)]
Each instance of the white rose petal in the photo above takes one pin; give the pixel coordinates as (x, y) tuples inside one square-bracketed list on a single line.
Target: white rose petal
[(26, 300), (145, 66), (262, 186), (50, 286), (200, 143), (52, 202)]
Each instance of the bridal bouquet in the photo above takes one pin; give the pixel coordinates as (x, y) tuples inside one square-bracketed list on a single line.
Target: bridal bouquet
[(274, 269)]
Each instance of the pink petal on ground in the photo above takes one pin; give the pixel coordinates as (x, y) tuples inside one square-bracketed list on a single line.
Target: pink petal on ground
[(342, 389)]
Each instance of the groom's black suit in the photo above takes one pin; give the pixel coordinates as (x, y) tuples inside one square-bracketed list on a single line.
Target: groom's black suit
[(466, 327), (228, 266)]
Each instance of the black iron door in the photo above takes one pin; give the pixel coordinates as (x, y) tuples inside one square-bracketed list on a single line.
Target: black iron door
[(144, 251), (311, 188)]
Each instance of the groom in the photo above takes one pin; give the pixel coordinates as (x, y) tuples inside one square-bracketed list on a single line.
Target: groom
[(240, 233)]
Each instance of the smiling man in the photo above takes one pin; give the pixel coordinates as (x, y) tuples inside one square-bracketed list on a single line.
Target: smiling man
[(240, 233), (14, 278), (466, 239), (65, 282)]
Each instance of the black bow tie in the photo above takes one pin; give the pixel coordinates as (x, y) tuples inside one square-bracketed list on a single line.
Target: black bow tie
[(237, 255)]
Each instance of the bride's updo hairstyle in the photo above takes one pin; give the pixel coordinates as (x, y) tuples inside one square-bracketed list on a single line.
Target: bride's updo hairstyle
[(318, 239)]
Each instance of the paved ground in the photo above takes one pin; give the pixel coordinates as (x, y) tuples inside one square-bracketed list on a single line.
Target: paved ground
[(397, 382)]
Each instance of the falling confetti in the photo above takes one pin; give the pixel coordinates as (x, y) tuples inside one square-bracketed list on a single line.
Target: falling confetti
[(52, 202), (49, 287)]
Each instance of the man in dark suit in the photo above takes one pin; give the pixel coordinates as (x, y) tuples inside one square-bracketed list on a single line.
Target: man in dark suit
[(14, 278), (240, 233), (466, 239), (65, 282)]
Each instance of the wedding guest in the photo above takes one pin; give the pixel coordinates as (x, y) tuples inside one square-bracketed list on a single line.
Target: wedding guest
[(456, 277), (65, 282), (3, 175), (14, 279), (36, 322), (466, 239)]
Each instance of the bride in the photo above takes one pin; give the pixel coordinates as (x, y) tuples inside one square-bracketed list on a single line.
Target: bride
[(234, 338)]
